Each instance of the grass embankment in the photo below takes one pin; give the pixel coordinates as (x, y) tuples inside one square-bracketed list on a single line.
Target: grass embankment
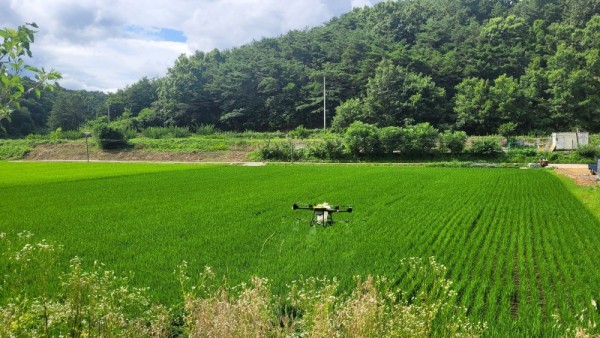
[(16, 149), (246, 146), (518, 245), (589, 195)]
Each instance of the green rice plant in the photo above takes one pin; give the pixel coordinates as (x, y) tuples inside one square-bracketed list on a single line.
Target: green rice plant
[(518, 244)]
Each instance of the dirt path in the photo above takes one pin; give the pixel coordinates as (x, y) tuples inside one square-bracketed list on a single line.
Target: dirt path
[(577, 172)]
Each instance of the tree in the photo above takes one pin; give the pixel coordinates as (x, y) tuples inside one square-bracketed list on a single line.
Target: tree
[(68, 112), (473, 106), (14, 48), (348, 112), (503, 47), (183, 95), (573, 89), (395, 94)]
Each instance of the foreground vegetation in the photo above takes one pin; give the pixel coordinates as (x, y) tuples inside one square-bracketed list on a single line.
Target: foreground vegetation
[(97, 302), (518, 245)]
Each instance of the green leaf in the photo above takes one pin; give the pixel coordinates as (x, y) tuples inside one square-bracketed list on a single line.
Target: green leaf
[(32, 68)]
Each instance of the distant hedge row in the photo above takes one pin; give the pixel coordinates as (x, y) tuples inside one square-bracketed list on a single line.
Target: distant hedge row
[(363, 140)]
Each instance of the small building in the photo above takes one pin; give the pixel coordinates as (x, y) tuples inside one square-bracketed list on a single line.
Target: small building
[(569, 141)]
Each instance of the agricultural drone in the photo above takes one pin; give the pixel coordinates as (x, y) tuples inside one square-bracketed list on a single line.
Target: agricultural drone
[(322, 213)]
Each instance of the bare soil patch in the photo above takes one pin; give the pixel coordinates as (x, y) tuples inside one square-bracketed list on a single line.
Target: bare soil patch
[(581, 176), (77, 152)]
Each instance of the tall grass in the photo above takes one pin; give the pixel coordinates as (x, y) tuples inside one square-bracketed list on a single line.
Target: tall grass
[(166, 132), (87, 303)]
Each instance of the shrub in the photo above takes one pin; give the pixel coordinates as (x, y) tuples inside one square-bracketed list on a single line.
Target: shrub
[(328, 149), (110, 138), (166, 132), (60, 134), (206, 129), (420, 138), (526, 151), (588, 151), (148, 117), (362, 139), (347, 113), (280, 151), (486, 147), (392, 138), (300, 133), (14, 149), (453, 141)]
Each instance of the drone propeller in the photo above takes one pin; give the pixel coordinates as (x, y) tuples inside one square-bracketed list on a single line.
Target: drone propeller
[(307, 207), (348, 209)]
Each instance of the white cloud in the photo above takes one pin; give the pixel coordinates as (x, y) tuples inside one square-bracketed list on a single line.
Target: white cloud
[(111, 64), (92, 43), (361, 3)]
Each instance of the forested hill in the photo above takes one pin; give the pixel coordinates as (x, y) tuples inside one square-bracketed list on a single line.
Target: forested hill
[(474, 65)]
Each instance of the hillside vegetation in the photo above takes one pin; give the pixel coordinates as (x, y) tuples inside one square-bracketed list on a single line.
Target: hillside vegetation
[(474, 65)]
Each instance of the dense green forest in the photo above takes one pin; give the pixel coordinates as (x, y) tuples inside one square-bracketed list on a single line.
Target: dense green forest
[(481, 66)]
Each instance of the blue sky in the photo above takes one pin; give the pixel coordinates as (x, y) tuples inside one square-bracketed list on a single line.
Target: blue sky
[(106, 45)]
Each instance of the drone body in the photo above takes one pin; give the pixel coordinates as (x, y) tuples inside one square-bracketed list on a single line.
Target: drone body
[(322, 213)]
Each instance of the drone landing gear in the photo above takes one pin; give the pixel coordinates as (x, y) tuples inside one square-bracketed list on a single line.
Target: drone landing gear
[(321, 217)]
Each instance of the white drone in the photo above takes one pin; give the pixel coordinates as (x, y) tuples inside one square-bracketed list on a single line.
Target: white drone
[(322, 213)]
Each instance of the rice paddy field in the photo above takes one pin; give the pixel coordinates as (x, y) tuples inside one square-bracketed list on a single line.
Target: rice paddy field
[(521, 249)]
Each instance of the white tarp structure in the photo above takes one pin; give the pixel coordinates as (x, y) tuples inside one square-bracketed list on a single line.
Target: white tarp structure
[(569, 141)]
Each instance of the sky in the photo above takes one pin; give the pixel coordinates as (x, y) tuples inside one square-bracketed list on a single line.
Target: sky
[(106, 45)]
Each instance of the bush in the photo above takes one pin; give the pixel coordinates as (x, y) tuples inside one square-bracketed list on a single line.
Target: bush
[(60, 134), (392, 138), (348, 112), (14, 149), (362, 139), (453, 141), (280, 151), (420, 138), (588, 151), (328, 149), (110, 138), (300, 133), (486, 147), (206, 129), (166, 132)]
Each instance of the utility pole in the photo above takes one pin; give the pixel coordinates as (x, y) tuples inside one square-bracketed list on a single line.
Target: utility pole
[(108, 111), (324, 106)]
